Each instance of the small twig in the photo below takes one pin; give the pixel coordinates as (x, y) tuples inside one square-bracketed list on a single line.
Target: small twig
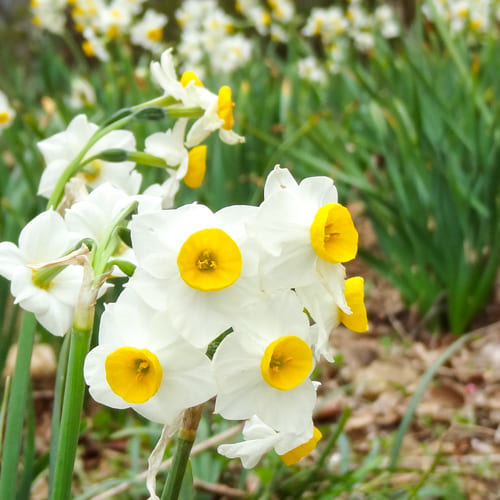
[(197, 449), (219, 489)]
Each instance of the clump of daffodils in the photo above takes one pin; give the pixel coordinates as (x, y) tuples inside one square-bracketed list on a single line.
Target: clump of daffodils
[(470, 18), (236, 305), (101, 22)]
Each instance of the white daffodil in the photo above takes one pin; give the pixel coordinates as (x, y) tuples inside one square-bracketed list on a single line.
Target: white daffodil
[(164, 74), (94, 217), (7, 114), (114, 18), (218, 109), (218, 115), (301, 226), (51, 294), (259, 439), (148, 32), (197, 265), (263, 367), (48, 14), (231, 53), (60, 149), (82, 93), (169, 146), (142, 363), (94, 45), (309, 69)]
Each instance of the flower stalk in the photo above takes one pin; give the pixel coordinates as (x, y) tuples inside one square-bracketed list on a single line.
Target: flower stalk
[(185, 440), (74, 390)]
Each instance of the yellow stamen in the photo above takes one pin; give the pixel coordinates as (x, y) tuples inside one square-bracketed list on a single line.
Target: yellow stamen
[(133, 374), (286, 362), (333, 235)]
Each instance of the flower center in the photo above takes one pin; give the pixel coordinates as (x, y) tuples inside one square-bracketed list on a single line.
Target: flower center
[(225, 107), (155, 34), (133, 374), (4, 117), (333, 235), (209, 260), (91, 171), (293, 456), (286, 362)]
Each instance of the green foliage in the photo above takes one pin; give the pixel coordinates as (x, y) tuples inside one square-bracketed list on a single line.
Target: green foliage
[(414, 131)]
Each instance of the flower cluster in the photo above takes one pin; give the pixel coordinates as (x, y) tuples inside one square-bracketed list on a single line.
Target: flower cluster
[(236, 281), (214, 303), (339, 29), (465, 17), (101, 21)]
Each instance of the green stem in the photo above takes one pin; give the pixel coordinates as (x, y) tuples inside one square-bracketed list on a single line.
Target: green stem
[(74, 166), (17, 404), (74, 390), (56, 411), (185, 442)]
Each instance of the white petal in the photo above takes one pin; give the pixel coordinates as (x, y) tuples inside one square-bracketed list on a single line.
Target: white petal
[(95, 377), (278, 179), (10, 259)]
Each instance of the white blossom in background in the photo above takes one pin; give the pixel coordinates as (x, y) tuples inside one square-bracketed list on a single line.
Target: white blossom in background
[(282, 10), (148, 31), (82, 93), (309, 69), (231, 53), (7, 113), (386, 22), (49, 15), (94, 45), (256, 14), (364, 41), (114, 18)]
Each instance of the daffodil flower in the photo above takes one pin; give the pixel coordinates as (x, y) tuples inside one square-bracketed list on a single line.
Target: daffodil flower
[(60, 149), (301, 226), (262, 368), (142, 363), (96, 216), (51, 294), (259, 439), (197, 265)]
